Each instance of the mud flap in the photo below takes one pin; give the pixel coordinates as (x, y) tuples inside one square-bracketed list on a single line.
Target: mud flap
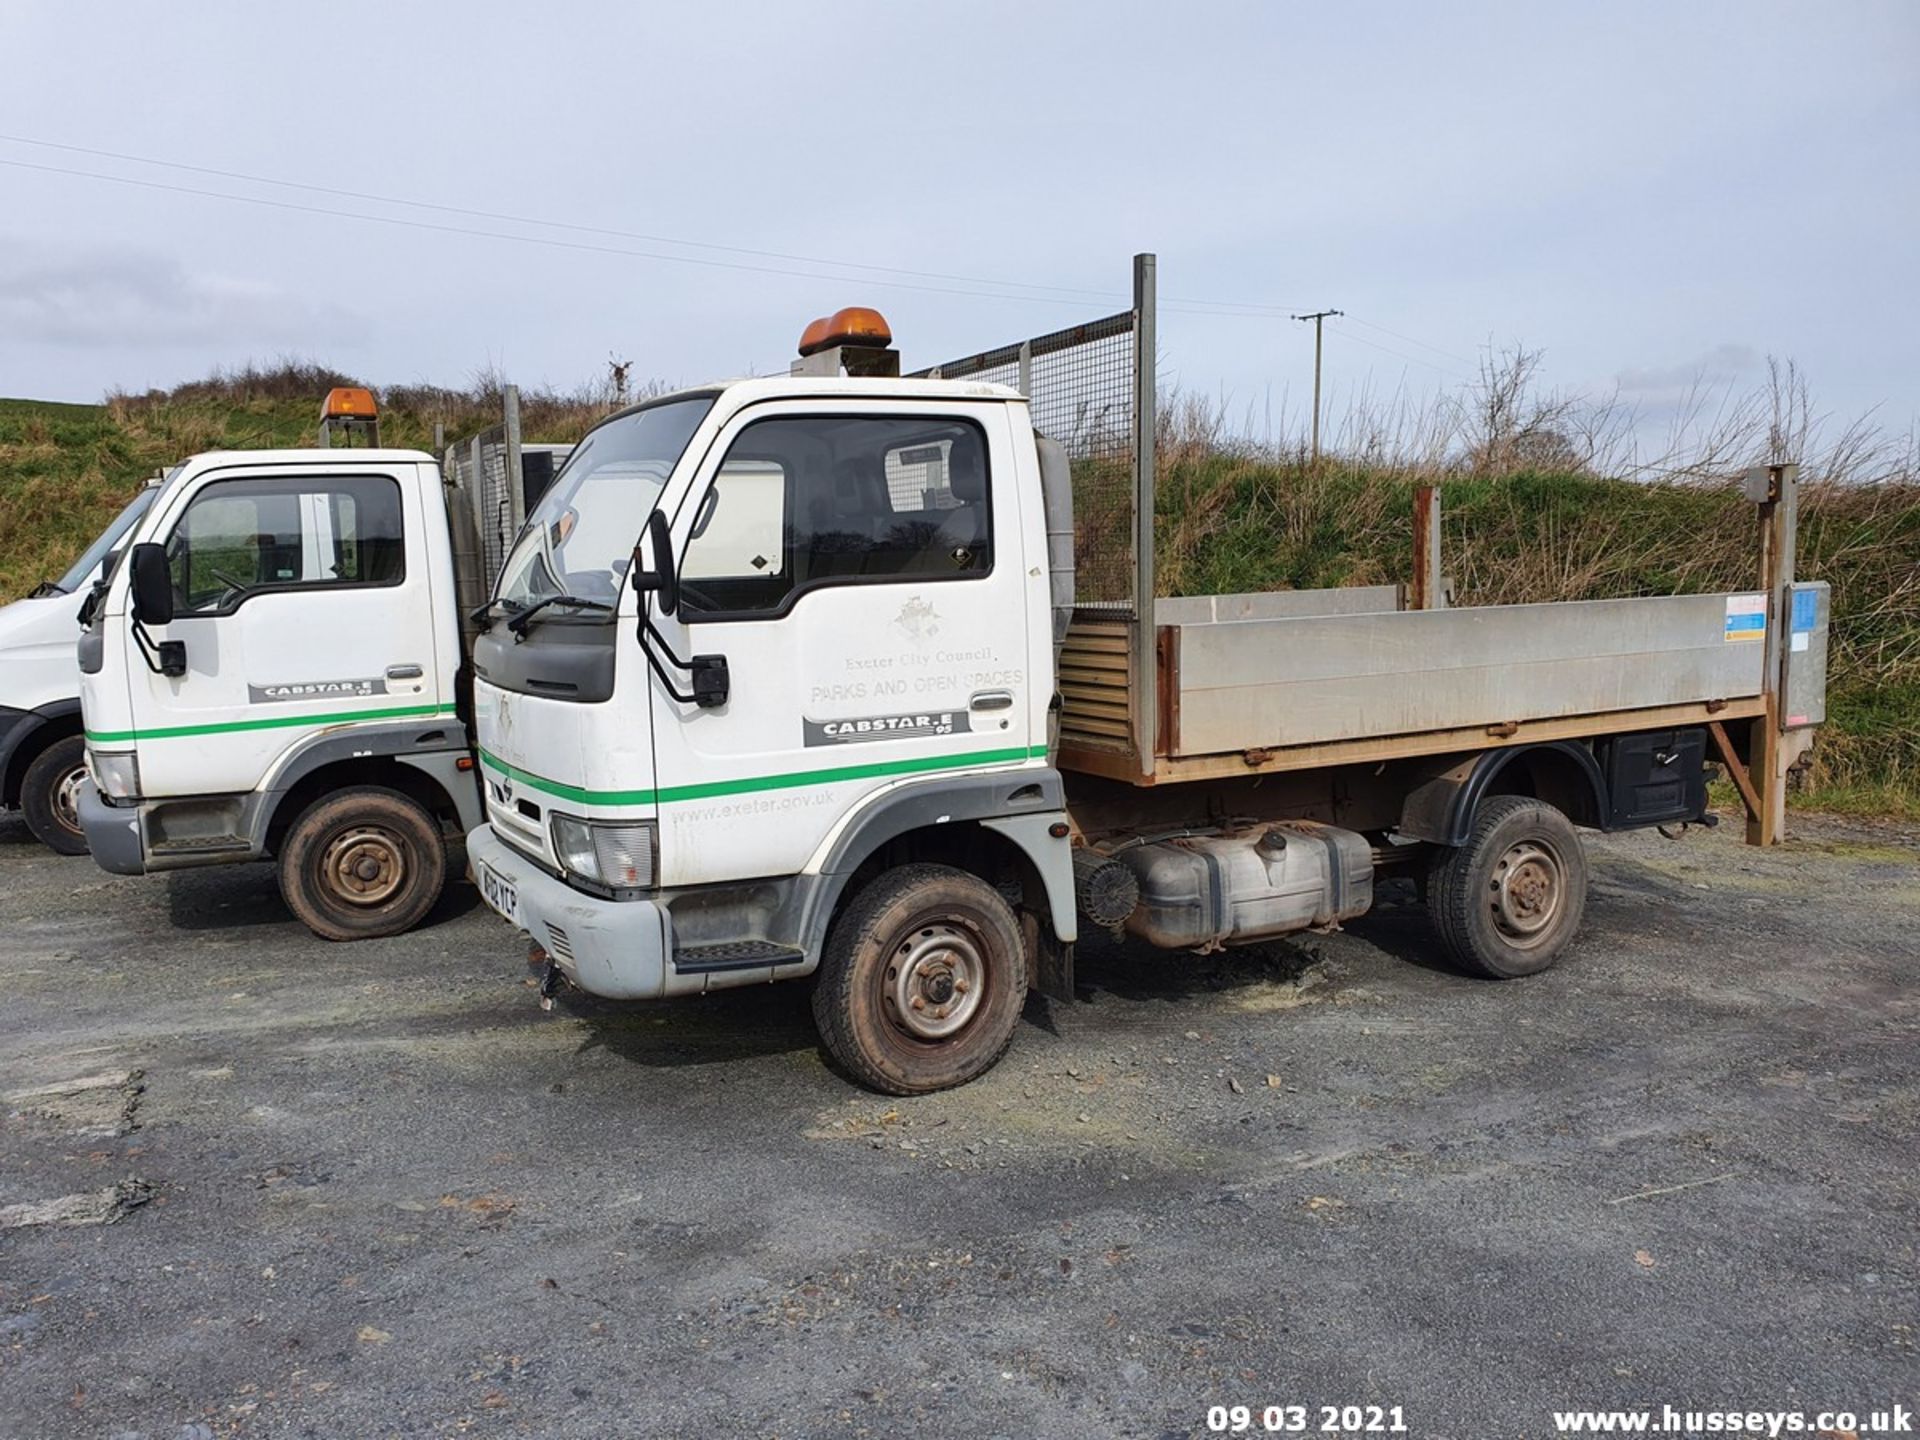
[(1052, 961)]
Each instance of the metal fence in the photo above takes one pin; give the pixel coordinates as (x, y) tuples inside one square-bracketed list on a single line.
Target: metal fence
[(1091, 388), (1081, 384), (485, 471)]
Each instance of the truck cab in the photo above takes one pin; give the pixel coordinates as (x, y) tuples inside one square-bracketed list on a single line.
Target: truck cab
[(272, 675), (42, 754), (828, 661)]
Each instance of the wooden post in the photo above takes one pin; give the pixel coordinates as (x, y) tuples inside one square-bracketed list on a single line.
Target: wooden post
[(1426, 594), (1770, 755)]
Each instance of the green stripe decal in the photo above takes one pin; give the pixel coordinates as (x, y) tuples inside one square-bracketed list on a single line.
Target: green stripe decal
[(565, 792), (928, 764), (276, 722)]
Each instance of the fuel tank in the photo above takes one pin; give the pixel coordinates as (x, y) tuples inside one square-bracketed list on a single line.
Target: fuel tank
[(1205, 892)]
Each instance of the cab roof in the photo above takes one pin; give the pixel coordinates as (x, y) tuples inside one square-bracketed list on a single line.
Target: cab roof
[(315, 455), (747, 389)]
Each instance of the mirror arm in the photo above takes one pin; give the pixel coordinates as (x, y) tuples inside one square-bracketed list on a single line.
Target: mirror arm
[(164, 657), (711, 687)]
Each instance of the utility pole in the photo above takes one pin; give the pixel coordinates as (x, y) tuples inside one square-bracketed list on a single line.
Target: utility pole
[(1318, 317)]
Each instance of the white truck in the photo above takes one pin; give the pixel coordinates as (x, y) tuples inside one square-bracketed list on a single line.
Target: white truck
[(277, 672), (42, 755), (793, 677)]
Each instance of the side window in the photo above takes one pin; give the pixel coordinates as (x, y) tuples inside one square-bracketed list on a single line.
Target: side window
[(239, 537), (837, 500)]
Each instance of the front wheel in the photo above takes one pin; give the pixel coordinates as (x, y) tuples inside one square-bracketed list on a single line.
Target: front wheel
[(50, 796), (922, 982), (362, 863), (1508, 901)]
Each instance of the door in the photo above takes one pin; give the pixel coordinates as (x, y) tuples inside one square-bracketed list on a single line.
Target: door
[(302, 597), (861, 570)]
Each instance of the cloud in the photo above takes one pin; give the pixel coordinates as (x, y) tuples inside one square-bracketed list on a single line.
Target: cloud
[(126, 298), (1725, 364)]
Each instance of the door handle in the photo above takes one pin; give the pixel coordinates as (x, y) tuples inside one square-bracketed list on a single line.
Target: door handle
[(990, 700), (404, 672)]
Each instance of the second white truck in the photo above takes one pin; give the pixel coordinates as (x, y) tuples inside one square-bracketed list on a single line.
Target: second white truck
[(278, 672)]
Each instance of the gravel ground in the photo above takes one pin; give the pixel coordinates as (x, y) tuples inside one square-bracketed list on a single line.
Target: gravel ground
[(371, 1190)]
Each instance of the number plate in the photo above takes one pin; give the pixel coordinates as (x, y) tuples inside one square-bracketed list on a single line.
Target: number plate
[(498, 892)]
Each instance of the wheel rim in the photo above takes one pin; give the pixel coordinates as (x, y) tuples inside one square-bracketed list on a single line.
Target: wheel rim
[(1527, 892), (66, 798), (364, 865), (936, 979)]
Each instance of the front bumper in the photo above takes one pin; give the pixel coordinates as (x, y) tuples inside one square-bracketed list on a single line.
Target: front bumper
[(615, 948), (113, 834)]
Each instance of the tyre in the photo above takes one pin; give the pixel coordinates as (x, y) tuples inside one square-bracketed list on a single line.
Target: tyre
[(362, 863), (50, 792), (1508, 901), (923, 981)]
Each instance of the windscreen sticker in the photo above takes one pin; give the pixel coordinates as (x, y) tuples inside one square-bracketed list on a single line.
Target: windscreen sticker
[(1746, 617), (1806, 610), (314, 690), (888, 727)]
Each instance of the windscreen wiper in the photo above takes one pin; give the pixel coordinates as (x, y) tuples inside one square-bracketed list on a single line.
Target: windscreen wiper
[(483, 614), (520, 619)]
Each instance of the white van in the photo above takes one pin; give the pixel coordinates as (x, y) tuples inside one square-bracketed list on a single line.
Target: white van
[(42, 753)]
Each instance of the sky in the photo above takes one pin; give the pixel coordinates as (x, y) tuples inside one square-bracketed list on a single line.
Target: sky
[(1646, 193)]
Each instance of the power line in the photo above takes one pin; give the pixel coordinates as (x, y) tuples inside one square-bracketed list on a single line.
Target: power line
[(1410, 340), (514, 219), (577, 245), (1402, 355), (956, 284), (507, 217)]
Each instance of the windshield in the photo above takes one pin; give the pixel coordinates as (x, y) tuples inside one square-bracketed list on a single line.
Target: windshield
[(580, 538), (84, 570)]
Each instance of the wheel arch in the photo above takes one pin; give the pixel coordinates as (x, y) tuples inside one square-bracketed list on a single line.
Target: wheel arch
[(428, 762), (997, 826), (1561, 773), (389, 771), (40, 728)]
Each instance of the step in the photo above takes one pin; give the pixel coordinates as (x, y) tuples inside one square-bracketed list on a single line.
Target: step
[(735, 955), (201, 845)]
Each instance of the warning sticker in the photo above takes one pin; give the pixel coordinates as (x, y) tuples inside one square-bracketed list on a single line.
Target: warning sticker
[(1746, 617)]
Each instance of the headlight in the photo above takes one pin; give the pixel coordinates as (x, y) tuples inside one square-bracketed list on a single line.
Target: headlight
[(616, 853), (115, 772)]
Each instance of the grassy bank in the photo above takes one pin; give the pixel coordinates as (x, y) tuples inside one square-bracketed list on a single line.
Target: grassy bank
[(1227, 522), (1236, 524), (65, 470)]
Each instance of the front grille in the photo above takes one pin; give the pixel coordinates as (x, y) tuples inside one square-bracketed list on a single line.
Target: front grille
[(516, 829), (558, 943)]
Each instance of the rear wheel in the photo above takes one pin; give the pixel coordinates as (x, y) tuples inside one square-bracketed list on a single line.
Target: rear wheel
[(922, 982), (50, 796), (362, 863), (1508, 901)]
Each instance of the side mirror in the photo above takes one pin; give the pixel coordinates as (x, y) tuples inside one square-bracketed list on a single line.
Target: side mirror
[(658, 578), (152, 584)]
